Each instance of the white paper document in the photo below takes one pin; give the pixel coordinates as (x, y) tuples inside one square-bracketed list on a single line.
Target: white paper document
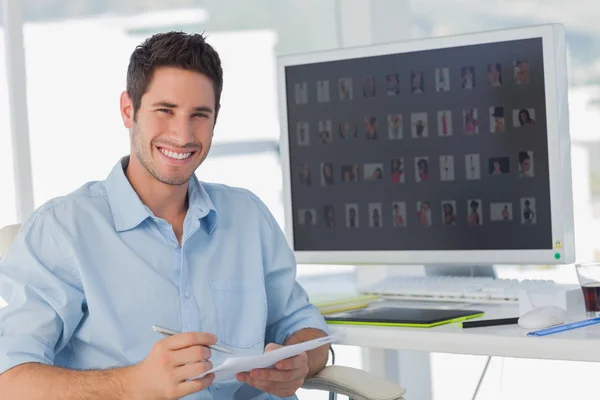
[(234, 365)]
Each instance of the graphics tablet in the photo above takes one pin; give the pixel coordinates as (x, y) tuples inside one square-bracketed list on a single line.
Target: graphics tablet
[(398, 316)]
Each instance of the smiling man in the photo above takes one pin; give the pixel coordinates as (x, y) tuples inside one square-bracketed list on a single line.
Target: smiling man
[(90, 273)]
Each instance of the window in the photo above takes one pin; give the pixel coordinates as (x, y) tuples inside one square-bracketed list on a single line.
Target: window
[(76, 65), (8, 211)]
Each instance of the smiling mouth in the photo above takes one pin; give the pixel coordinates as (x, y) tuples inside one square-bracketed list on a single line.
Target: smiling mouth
[(176, 155)]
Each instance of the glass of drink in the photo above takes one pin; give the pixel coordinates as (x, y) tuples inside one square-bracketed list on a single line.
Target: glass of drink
[(589, 279)]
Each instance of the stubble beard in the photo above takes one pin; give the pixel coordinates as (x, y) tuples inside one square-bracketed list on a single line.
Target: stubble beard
[(144, 156)]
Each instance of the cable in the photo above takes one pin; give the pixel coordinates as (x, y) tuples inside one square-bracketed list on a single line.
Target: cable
[(332, 355), (487, 364)]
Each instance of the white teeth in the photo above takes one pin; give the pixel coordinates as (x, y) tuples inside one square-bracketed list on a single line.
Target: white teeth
[(175, 156)]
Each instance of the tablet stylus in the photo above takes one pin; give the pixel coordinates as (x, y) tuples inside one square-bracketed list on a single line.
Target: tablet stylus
[(490, 322)]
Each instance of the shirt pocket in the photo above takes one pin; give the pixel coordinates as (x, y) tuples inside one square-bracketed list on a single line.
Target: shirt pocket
[(241, 311)]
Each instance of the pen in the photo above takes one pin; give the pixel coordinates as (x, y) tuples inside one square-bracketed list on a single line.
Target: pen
[(490, 322), (565, 327), (169, 332)]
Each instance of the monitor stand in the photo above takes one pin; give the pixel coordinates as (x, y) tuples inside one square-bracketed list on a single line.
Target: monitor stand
[(485, 271), (366, 275)]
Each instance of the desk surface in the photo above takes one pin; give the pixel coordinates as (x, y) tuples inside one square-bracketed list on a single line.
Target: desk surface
[(582, 344)]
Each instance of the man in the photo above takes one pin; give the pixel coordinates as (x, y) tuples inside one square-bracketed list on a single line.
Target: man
[(90, 273)]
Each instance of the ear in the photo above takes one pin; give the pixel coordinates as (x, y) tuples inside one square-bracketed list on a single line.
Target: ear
[(126, 106)]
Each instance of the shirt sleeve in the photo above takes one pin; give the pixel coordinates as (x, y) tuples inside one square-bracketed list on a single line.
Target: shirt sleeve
[(288, 304), (43, 294)]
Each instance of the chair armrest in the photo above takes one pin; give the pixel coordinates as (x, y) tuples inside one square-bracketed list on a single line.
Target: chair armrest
[(354, 383)]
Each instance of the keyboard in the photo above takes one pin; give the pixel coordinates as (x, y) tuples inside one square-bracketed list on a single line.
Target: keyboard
[(457, 289)]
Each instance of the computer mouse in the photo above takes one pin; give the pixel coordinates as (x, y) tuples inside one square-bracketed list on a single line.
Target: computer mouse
[(543, 317)]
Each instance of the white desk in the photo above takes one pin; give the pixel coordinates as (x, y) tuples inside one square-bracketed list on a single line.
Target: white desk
[(402, 354), (582, 344)]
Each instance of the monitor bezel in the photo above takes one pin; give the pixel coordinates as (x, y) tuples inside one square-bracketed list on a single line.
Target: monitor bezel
[(559, 153)]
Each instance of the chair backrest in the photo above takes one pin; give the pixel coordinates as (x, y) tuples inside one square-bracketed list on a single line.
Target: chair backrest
[(7, 235)]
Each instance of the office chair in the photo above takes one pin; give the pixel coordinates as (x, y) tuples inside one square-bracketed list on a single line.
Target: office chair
[(335, 379), (7, 235)]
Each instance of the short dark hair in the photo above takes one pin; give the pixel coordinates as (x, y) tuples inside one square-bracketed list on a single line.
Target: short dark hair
[(172, 49)]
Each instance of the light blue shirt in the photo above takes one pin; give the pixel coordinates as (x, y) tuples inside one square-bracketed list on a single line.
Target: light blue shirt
[(90, 273)]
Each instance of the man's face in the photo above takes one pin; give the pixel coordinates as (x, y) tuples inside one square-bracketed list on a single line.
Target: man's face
[(525, 165), (173, 129)]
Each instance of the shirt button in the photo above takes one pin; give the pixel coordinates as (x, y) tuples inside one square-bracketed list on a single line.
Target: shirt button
[(217, 385), (187, 295)]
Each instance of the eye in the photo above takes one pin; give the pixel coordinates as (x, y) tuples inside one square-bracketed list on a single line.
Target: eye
[(165, 110), (201, 115)]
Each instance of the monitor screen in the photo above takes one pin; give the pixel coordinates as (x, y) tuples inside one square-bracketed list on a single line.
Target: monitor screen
[(422, 150)]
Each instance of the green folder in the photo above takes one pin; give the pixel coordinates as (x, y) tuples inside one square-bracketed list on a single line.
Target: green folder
[(399, 316)]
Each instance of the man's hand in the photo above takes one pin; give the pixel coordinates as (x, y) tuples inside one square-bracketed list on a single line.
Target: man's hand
[(283, 380), (164, 372)]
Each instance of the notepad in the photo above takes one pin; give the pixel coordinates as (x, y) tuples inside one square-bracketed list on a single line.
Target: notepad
[(234, 365), (329, 304)]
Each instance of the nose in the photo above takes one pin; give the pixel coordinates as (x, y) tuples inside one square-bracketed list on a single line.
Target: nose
[(181, 131)]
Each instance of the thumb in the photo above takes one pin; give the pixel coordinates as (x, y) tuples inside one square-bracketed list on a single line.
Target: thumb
[(272, 346)]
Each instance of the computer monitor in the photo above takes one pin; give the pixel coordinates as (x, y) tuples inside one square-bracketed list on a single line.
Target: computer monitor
[(448, 150)]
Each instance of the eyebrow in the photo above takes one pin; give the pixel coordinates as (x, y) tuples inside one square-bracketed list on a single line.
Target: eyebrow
[(166, 104)]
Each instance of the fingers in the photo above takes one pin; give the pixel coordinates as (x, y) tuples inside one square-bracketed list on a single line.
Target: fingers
[(191, 370), (281, 389), (272, 375), (293, 362), (276, 375), (193, 386), (188, 339), (190, 354), (272, 346)]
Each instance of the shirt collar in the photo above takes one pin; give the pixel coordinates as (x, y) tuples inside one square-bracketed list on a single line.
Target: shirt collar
[(128, 210), (200, 204)]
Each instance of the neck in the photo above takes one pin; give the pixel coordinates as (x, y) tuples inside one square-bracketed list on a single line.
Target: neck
[(168, 202)]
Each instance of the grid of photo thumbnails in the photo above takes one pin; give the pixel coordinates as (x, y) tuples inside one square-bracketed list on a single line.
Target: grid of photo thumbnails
[(500, 119)]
